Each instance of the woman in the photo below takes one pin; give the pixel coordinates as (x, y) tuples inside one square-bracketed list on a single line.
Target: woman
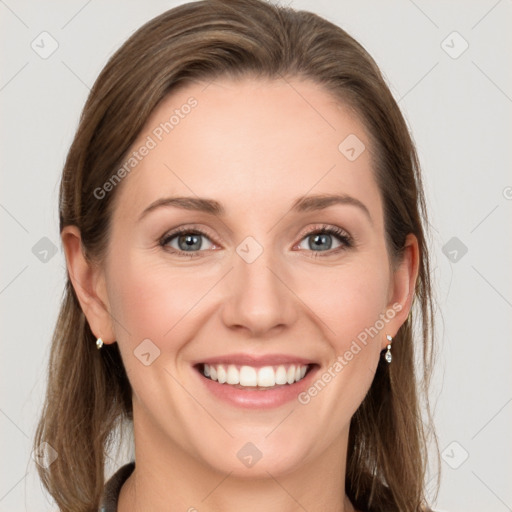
[(243, 221)]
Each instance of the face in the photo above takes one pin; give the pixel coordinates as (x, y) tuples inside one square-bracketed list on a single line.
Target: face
[(243, 281)]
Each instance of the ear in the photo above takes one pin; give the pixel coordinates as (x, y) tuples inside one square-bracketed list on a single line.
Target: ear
[(89, 283), (402, 287)]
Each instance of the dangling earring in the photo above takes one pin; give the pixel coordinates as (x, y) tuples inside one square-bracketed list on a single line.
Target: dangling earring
[(99, 343), (387, 356)]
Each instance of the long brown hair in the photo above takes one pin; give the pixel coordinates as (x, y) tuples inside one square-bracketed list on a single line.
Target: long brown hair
[(88, 396)]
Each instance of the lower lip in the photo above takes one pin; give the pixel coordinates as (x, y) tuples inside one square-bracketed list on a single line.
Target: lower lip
[(264, 398)]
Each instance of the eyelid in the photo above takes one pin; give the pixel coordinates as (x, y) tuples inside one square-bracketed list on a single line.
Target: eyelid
[(325, 227), (190, 228)]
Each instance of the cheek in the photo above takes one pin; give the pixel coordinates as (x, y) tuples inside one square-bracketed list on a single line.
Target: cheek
[(151, 300), (348, 300), (351, 303)]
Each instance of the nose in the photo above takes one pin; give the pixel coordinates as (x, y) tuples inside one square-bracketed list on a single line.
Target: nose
[(258, 296)]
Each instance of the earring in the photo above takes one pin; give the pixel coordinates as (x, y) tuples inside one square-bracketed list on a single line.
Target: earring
[(387, 356), (99, 343)]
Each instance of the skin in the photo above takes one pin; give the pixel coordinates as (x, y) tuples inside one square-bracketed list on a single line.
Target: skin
[(255, 146)]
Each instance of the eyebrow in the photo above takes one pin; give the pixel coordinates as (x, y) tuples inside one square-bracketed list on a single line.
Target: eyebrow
[(213, 207)]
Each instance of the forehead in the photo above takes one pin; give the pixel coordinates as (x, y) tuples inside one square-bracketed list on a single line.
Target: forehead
[(250, 143)]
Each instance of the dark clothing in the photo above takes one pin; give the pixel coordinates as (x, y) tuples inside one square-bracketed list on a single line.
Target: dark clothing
[(113, 488)]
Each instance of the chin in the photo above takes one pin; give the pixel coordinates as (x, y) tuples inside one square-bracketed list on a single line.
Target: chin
[(256, 456)]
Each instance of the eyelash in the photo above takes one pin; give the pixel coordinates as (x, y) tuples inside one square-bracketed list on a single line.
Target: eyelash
[(346, 240)]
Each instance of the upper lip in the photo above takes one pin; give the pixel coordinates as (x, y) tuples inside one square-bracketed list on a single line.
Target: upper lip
[(254, 360)]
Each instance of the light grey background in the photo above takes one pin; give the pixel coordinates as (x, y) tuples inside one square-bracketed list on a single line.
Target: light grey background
[(459, 110)]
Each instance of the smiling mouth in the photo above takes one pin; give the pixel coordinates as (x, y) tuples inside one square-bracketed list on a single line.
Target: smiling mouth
[(255, 378)]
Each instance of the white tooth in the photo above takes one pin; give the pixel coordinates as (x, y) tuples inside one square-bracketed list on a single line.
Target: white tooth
[(233, 376), (248, 376), (221, 374), (251, 377), (290, 374), (266, 376), (281, 375)]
